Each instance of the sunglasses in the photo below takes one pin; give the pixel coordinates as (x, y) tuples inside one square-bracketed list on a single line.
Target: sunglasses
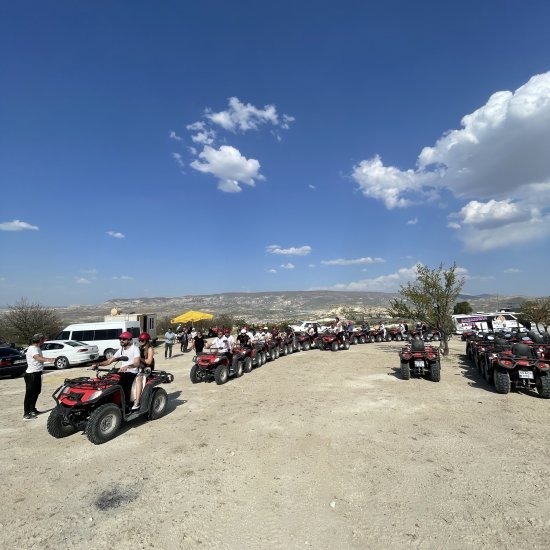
[(124, 339)]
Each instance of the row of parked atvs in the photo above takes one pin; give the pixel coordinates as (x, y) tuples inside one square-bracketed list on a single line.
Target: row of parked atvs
[(512, 360), (219, 365)]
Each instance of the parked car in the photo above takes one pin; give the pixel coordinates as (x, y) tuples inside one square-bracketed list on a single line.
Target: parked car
[(69, 352), (12, 362)]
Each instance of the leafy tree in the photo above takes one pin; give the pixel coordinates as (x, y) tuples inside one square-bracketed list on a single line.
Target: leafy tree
[(538, 312), (24, 319), (430, 299), (462, 308)]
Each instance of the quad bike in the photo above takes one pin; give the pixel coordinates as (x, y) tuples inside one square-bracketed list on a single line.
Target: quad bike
[(330, 340), (288, 343), (353, 337), (521, 368), (305, 341), (420, 359), (215, 364), (249, 356), (99, 405), (394, 334)]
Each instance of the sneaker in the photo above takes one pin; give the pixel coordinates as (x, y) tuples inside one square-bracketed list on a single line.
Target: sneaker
[(35, 411), (136, 406), (29, 416)]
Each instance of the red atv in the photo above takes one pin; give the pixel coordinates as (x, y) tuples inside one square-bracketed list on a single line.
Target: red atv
[(521, 368), (215, 364), (420, 359), (305, 341), (330, 340), (100, 405)]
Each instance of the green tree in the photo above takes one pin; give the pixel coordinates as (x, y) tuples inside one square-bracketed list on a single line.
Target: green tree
[(25, 318), (463, 308), (430, 299), (538, 312)]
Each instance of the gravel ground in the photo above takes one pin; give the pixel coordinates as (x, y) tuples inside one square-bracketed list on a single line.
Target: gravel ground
[(315, 450)]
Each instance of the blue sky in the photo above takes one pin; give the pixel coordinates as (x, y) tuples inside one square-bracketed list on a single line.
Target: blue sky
[(171, 148)]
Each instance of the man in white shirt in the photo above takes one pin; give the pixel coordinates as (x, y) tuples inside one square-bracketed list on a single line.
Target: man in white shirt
[(33, 375)]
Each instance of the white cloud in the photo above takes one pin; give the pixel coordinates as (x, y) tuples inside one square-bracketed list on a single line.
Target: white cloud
[(116, 234), (89, 271), (292, 251), (494, 214), (454, 225), (241, 117), (17, 225), (312, 186), (512, 270), (83, 281), (174, 136), (384, 283), (272, 271), (311, 265), (203, 135), (287, 266), (356, 261), (229, 166), (123, 278), (414, 221), (179, 160)]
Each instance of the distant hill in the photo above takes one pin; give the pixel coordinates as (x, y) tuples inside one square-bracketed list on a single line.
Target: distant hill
[(269, 306)]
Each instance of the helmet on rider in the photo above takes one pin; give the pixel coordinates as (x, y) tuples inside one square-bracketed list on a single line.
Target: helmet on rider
[(144, 337), (125, 336), (227, 331)]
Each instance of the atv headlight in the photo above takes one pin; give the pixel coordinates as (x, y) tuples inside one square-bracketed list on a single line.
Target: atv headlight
[(95, 395), (66, 389)]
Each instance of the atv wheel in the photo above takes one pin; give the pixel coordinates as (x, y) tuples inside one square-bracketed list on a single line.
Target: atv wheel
[(288, 350), (238, 369), (334, 346), (108, 353), (435, 372), (248, 364), (543, 385), (436, 337), (346, 344), (264, 357), (502, 381), (195, 374), (388, 338), (103, 423), (372, 339), (405, 371), (159, 404), (361, 339), (353, 340), (378, 338), (57, 427), (306, 345), (399, 337), (62, 363), (221, 375), (276, 351)]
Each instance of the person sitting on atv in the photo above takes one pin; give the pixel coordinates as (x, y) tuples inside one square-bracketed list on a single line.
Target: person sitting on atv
[(244, 339), (147, 363), (382, 329), (339, 330), (130, 367)]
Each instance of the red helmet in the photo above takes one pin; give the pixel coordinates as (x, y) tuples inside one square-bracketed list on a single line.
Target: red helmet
[(144, 337), (227, 331), (126, 335)]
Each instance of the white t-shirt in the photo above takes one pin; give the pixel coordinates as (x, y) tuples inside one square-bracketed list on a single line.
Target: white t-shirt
[(131, 352), (338, 327), (221, 343), (32, 364)]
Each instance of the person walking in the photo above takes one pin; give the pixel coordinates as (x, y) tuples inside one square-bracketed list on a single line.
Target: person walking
[(33, 376), (169, 339), (198, 343), (183, 340)]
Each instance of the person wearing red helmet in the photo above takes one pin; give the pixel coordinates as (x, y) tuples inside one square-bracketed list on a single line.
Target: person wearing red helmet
[(147, 362), (130, 366)]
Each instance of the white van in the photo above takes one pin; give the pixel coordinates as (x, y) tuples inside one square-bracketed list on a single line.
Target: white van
[(103, 335)]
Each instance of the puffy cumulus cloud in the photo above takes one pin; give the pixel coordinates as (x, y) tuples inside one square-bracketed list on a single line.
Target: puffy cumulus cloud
[(17, 225), (116, 234), (394, 187), (230, 167), (271, 270), (287, 266), (292, 251), (241, 117), (497, 224), (383, 283), (356, 261), (202, 134), (500, 153), (174, 136), (178, 159)]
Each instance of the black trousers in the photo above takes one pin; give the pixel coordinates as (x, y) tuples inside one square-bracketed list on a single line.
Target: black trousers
[(33, 387)]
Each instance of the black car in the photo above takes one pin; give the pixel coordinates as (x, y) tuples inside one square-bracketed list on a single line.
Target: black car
[(12, 362)]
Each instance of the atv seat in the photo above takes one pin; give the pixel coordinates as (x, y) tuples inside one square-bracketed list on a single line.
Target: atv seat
[(417, 345), (523, 350)]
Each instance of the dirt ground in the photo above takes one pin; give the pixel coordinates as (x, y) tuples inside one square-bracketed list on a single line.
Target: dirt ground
[(315, 450)]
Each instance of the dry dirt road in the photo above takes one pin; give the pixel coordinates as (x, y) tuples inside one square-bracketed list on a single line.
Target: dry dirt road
[(316, 450)]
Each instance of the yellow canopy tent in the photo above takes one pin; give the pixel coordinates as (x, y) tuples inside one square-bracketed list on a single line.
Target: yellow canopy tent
[(191, 316)]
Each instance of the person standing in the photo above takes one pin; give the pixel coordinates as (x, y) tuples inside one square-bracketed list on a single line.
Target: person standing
[(169, 339), (184, 340), (33, 376), (198, 343)]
